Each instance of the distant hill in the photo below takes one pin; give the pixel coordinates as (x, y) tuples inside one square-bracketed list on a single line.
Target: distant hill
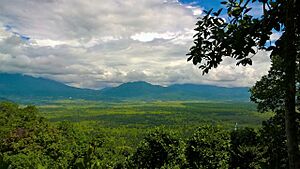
[(23, 88), (134, 90), (20, 87), (146, 91), (209, 92)]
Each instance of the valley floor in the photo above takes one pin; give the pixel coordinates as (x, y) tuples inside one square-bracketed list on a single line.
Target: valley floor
[(129, 121)]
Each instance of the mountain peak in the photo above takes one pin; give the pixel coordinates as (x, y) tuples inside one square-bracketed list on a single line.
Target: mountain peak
[(135, 89)]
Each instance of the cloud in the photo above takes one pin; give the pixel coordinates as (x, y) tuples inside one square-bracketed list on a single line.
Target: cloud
[(150, 36), (97, 43), (196, 10)]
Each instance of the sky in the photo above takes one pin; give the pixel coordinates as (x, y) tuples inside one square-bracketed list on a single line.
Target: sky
[(99, 43)]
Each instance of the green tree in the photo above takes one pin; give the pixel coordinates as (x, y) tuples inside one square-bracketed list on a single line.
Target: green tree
[(269, 95), (17, 134), (208, 148), (158, 149), (245, 149), (241, 35), (30, 141), (273, 141)]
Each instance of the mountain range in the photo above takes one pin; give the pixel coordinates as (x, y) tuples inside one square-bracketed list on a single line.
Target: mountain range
[(24, 88)]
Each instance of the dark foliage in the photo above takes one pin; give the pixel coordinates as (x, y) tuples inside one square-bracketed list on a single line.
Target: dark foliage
[(158, 149), (208, 148)]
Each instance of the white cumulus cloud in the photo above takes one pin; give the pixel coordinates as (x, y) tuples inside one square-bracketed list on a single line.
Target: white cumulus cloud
[(100, 43)]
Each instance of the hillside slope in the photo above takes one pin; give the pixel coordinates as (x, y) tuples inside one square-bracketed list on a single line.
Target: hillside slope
[(27, 87)]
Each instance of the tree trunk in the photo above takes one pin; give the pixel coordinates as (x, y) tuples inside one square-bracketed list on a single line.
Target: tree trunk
[(290, 89)]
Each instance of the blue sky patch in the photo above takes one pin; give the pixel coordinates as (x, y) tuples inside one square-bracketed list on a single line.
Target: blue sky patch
[(216, 4), (206, 4), (9, 28)]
